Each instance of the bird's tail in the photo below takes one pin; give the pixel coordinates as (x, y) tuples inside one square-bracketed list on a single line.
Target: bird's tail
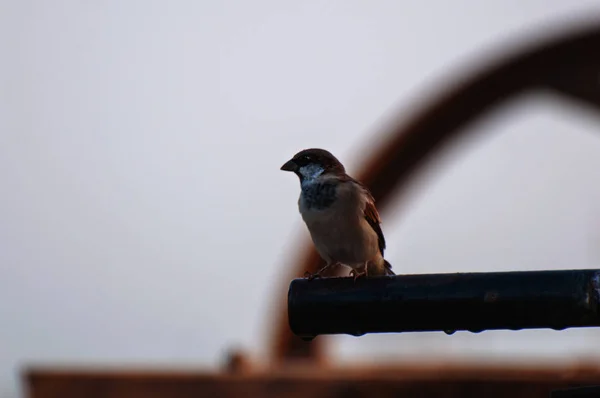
[(387, 267)]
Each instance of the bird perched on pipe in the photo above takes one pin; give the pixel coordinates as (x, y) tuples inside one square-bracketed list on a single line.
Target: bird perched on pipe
[(340, 214)]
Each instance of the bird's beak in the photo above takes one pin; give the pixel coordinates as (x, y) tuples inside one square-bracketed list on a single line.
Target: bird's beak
[(290, 165)]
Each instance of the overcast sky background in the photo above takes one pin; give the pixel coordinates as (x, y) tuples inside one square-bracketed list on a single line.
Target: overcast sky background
[(144, 218)]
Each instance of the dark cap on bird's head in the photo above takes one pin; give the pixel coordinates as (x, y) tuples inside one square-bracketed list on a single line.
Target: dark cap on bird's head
[(317, 157)]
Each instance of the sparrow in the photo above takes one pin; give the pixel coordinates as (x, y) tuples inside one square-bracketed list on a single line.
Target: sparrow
[(340, 215)]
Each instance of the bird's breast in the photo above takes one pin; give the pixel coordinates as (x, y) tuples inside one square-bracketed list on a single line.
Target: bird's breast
[(318, 195), (338, 229)]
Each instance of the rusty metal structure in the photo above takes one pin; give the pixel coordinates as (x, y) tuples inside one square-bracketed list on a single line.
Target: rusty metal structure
[(569, 66)]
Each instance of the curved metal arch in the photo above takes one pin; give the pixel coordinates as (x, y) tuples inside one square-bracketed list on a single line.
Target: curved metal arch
[(568, 65)]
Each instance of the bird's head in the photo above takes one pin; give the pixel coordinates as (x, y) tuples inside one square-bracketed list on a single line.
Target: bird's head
[(313, 163)]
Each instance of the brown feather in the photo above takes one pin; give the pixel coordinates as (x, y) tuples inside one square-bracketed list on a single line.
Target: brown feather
[(371, 214), (372, 218)]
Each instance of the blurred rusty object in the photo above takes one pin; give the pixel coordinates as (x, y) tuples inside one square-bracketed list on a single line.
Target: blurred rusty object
[(238, 362), (568, 65), (448, 303), (408, 380)]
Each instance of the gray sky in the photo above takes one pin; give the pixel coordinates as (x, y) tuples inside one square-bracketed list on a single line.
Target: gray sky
[(144, 219)]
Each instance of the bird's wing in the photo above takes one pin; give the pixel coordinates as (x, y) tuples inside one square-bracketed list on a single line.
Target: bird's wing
[(370, 212), (372, 217)]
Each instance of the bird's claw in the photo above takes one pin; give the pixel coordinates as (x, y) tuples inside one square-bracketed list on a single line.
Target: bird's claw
[(311, 276), (357, 274)]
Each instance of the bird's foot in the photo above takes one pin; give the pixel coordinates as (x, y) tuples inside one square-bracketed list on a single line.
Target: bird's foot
[(357, 274), (318, 273), (310, 276)]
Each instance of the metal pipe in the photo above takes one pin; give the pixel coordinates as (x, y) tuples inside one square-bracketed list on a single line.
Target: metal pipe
[(444, 302)]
